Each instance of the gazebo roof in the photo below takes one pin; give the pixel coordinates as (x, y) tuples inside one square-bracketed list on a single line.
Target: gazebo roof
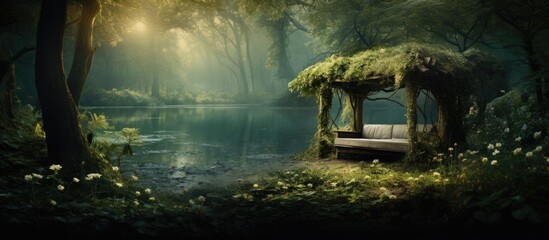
[(373, 70)]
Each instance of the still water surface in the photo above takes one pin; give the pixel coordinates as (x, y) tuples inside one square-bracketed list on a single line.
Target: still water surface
[(188, 145)]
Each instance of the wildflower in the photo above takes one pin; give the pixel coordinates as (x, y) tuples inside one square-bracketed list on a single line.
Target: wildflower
[(416, 179), (524, 127), (392, 197), (135, 178), (420, 176), (375, 161), (537, 135), (285, 187), (367, 177), (55, 167), (529, 154), (518, 139), (484, 160), (464, 160), (437, 180), (517, 151), (498, 145), (490, 146), (446, 180), (472, 152), (310, 185), (152, 198), (495, 152), (279, 183), (75, 180), (506, 130), (137, 193), (334, 184), (410, 179), (36, 175), (119, 184), (53, 202), (201, 199), (115, 169), (494, 162), (135, 202), (28, 178), (192, 202), (148, 190), (60, 187), (383, 189), (436, 174), (91, 176), (450, 149), (538, 149), (460, 156)]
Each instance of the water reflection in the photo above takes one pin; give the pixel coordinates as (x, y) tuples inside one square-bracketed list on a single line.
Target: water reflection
[(205, 135)]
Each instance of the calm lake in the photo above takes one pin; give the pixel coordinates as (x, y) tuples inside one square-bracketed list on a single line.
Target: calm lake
[(188, 145)]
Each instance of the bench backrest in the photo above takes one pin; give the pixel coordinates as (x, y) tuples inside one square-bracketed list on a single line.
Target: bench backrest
[(388, 131)]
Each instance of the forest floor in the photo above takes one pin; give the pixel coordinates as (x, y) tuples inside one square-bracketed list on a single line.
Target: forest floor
[(314, 198)]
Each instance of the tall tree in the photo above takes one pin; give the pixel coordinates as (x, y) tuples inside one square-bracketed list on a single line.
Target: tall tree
[(66, 144), (83, 49), (528, 21)]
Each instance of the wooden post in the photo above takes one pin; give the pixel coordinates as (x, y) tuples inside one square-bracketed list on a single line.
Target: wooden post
[(358, 119), (411, 118)]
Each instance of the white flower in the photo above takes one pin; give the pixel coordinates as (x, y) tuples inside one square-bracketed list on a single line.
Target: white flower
[(53, 203), (464, 160), (538, 149), (55, 167), (517, 151), (137, 193), (152, 198), (383, 189), (28, 178), (436, 174), (537, 135), (36, 175), (410, 179), (75, 180), (334, 184), (256, 185), (484, 160), (460, 155), (119, 184), (495, 152), (529, 154), (115, 169), (60, 187), (518, 139), (498, 145), (375, 161), (279, 183), (135, 178), (524, 127), (201, 199), (91, 176), (450, 149), (506, 130), (147, 190), (135, 202), (309, 185), (392, 196), (494, 162), (472, 152), (490, 146), (367, 177)]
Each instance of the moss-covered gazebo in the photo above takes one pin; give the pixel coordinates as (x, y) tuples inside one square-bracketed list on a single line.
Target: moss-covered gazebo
[(446, 74)]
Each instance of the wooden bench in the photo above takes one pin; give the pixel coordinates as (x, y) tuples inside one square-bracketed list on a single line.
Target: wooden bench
[(380, 139)]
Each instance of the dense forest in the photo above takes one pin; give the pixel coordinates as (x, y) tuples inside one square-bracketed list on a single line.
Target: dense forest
[(88, 87)]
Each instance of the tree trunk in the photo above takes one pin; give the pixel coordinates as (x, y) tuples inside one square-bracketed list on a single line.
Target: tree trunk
[(412, 93), (83, 49), (10, 87), (155, 88), (66, 144)]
